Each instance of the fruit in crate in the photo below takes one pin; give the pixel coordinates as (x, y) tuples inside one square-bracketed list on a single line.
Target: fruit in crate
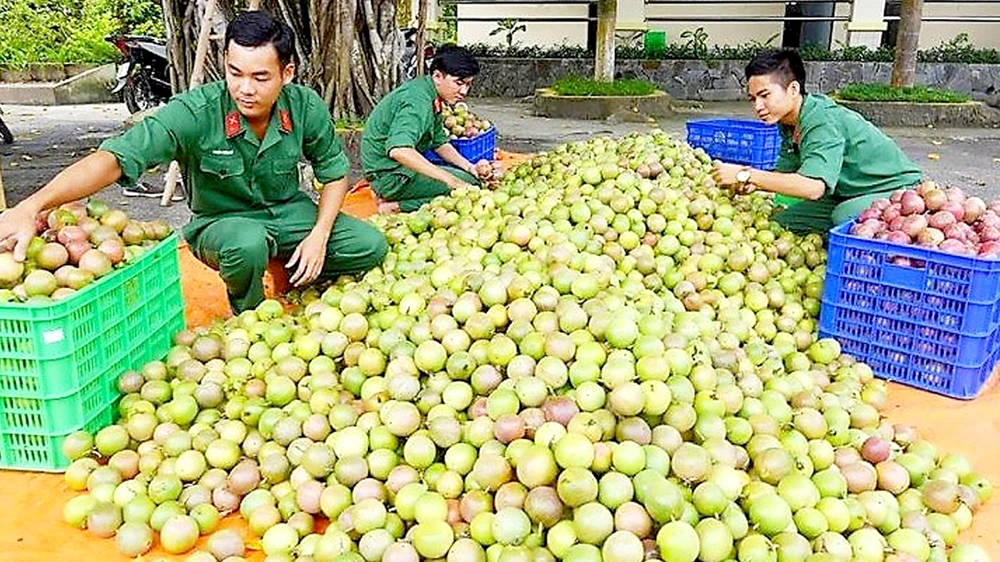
[(934, 217), (460, 123), (76, 244)]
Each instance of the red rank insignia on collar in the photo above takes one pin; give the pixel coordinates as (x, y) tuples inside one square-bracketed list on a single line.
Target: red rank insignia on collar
[(437, 105), (233, 125), (286, 120)]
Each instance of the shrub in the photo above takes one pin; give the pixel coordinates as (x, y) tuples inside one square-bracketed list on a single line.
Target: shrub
[(62, 31)]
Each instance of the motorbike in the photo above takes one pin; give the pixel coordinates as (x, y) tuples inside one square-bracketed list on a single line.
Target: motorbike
[(410, 53), (5, 136), (144, 75)]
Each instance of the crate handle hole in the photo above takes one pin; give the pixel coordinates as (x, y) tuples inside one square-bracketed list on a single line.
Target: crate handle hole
[(903, 261)]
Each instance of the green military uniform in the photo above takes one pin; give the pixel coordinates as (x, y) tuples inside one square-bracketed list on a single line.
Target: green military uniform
[(857, 162), (244, 191), (409, 116)]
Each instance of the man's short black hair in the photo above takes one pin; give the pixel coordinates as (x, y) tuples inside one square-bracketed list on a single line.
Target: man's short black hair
[(784, 65), (456, 61), (257, 28)]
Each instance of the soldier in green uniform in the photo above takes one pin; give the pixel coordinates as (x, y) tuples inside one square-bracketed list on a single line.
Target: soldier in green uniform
[(407, 122), (831, 157), (239, 143)]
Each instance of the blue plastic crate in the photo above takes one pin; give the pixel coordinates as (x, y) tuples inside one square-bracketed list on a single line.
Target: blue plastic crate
[(895, 333), (739, 141), (482, 146), (914, 370), (947, 284), (922, 308), (918, 316)]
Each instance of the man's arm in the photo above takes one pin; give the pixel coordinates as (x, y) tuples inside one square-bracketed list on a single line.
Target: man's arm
[(450, 154), (822, 158), (82, 179), (330, 164), (412, 160), (408, 126), (310, 254), (785, 183), (156, 139)]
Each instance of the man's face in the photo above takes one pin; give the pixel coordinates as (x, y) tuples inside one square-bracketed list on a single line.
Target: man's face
[(451, 89), (771, 101), (254, 77)]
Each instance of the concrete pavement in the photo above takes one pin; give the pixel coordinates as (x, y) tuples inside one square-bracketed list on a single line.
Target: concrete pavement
[(50, 138)]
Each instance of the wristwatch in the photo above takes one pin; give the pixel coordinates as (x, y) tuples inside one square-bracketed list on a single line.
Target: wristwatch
[(743, 176)]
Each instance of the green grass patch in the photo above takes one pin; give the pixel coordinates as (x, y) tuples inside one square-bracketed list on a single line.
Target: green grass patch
[(885, 92), (577, 86)]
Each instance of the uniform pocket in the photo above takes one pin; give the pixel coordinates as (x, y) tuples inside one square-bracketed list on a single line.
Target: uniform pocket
[(223, 167), (221, 185), (285, 167), (283, 181)]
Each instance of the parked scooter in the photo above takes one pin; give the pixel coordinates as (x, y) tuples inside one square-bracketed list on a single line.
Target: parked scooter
[(5, 136), (144, 76), (410, 53)]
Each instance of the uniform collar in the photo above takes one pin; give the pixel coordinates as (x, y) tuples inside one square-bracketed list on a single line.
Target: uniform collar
[(437, 104), (234, 123)]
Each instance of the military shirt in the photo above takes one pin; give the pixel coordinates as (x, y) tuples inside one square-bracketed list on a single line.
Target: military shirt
[(409, 116), (226, 168), (844, 150)]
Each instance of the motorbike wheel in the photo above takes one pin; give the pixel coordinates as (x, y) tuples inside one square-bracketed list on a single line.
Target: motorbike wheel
[(5, 134), (138, 94)]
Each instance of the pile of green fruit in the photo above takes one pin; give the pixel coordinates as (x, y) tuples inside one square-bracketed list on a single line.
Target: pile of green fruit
[(589, 363)]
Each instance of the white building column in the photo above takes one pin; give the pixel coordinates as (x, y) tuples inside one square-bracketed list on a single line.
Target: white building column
[(630, 23), (433, 12), (631, 15), (867, 23)]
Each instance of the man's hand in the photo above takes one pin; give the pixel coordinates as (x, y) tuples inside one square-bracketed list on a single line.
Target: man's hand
[(455, 183), (17, 227), (725, 174), (484, 169), (309, 257)]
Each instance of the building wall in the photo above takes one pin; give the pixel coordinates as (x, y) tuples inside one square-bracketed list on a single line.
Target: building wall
[(980, 34), (537, 34), (728, 33), (719, 33)]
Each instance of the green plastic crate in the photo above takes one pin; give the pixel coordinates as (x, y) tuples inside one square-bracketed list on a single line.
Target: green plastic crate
[(53, 350), (119, 323), (43, 451)]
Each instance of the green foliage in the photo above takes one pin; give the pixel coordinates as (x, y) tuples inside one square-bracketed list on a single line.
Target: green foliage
[(63, 31), (510, 27), (958, 50), (578, 86), (447, 28), (884, 92), (696, 42), (349, 124)]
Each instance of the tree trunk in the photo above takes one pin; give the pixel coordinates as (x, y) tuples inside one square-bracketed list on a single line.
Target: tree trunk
[(904, 67), (604, 63), (421, 39), (347, 50)]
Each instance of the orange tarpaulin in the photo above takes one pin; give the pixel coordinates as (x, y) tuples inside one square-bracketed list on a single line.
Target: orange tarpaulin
[(31, 527)]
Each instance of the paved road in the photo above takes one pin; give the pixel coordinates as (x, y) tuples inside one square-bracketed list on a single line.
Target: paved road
[(50, 138)]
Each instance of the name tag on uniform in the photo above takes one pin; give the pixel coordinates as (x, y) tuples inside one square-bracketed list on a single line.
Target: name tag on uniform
[(219, 152)]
